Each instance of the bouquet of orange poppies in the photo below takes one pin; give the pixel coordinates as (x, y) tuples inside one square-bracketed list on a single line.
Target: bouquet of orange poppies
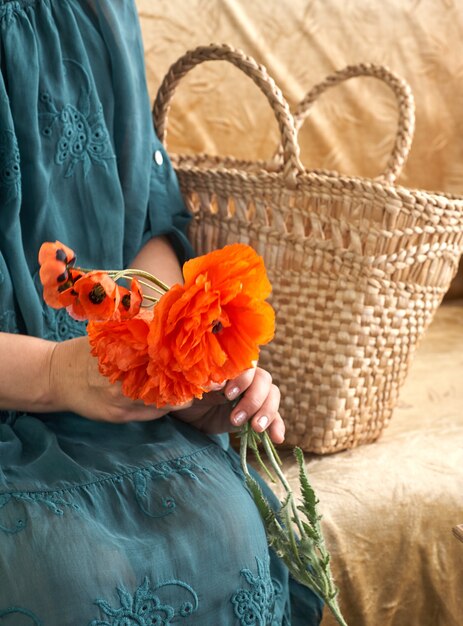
[(205, 331)]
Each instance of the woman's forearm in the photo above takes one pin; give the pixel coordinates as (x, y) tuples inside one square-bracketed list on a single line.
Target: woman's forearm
[(158, 257), (24, 373), (26, 362)]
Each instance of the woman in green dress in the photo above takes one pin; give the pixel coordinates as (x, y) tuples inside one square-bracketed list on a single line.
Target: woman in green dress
[(111, 512)]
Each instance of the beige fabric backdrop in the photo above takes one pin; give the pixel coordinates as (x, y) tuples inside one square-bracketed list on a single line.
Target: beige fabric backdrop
[(217, 110), (388, 507)]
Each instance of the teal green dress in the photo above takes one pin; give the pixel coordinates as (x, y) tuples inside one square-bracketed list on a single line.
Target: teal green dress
[(106, 524)]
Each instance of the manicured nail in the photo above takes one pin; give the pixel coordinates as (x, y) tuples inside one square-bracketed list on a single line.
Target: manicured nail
[(263, 421), (281, 433), (240, 417), (233, 393), (215, 387)]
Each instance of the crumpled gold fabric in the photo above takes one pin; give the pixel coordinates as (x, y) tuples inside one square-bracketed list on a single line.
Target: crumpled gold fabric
[(388, 507)]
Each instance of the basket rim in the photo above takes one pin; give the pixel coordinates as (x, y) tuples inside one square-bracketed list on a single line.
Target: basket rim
[(261, 169)]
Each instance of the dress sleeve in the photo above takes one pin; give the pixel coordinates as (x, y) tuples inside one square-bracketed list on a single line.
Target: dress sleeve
[(167, 212)]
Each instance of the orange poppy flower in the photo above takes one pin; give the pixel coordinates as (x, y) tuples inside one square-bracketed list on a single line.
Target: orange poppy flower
[(51, 294), (122, 350), (56, 252), (64, 296), (130, 300), (95, 296), (167, 387), (167, 382), (210, 329), (55, 261), (236, 267)]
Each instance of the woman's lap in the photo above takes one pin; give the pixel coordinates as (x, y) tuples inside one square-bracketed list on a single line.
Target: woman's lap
[(170, 539)]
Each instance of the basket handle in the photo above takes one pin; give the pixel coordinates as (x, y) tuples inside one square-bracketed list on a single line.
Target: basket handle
[(258, 73), (406, 109)]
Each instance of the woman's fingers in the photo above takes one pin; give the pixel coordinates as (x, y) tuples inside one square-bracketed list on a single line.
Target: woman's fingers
[(277, 429), (259, 403), (253, 398), (268, 417), (238, 385)]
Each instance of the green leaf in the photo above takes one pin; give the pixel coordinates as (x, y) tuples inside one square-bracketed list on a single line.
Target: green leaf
[(310, 531), (306, 558), (309, 499), (266, 512)]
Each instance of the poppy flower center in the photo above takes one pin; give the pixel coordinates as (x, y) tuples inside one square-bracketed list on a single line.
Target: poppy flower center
[(62, 277), (217, 326), (60, 255), (65, 285), (126, 301), (97, 294)]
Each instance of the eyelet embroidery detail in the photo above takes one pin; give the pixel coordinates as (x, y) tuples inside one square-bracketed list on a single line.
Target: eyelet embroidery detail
[(60, 325), (10, 170), (15, 610), (83, 135), (57, 505), (255, 606), (53, 502), (145, 608), (183, 467)]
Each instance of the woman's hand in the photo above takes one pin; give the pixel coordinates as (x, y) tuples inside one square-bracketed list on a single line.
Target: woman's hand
[(76, 385), (259, 404)]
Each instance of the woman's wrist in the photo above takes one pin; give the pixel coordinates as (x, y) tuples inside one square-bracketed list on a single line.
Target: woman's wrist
[(25, 364), (55, 398), (68, 380)]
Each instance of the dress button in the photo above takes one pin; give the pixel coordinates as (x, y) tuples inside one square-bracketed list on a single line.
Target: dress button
[(158, 157)]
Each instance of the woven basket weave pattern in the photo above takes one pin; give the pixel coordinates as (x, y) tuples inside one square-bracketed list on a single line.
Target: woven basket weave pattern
[(358, 266), (348, 320)]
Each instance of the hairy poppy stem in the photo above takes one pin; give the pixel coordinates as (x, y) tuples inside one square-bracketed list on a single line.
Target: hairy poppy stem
[(305, 555)]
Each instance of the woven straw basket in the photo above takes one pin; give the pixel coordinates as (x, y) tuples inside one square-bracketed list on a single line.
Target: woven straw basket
[(358, 266)]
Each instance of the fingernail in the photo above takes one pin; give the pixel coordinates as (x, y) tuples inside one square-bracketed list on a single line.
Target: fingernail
[(233, 393), (216, 387), (281, 433), (263, 421), (240, 417)]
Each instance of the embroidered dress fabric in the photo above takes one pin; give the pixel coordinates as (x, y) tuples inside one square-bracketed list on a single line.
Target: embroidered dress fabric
[(107, 524)]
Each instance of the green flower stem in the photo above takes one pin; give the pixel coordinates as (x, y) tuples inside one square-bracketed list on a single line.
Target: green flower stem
[(276, 463), (129, 273), (150, 299), (305, 555), (149, 286), (243, 450)]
